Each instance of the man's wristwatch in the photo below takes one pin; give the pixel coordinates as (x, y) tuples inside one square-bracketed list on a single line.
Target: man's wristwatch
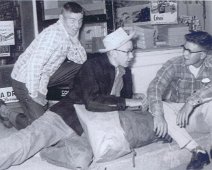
[(194, 102)]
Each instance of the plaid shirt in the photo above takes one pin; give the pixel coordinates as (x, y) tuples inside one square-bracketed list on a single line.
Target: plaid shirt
[(175, 79), (44, 56)]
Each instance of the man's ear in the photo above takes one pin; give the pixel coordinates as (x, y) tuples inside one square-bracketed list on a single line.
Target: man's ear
[(114, 53), (110, 52), (61, 17), (203, 55)]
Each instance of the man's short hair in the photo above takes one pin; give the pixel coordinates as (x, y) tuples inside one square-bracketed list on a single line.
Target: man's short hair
[(201, 38), (72, 7)]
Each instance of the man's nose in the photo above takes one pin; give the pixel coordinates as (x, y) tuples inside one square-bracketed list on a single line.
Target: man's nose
[(186, 54), (131, 56)]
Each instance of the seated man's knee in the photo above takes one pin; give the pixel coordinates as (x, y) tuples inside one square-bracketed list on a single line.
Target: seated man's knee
[(169, 112)]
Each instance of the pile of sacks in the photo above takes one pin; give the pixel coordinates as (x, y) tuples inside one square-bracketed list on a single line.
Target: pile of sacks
[(107, 136)]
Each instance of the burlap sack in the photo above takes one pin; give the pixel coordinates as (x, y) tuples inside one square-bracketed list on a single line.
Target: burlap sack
[(138, 127)]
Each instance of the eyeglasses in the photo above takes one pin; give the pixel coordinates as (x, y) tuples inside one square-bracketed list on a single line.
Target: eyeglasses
[(127, 52), (190, 52)]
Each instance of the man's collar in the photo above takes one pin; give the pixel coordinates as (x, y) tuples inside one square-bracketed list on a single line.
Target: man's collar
[(208, 61)]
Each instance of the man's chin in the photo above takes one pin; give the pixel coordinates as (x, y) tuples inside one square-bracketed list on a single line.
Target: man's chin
[(129, 64), (125, 65), (188, 63)]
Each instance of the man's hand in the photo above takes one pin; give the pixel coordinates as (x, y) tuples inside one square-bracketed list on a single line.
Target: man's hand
[(40, 99), (183, 115), (143, 99), (160, 126)]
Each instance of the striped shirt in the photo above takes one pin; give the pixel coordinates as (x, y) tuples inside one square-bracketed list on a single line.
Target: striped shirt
[(44, 56), (175, 79)]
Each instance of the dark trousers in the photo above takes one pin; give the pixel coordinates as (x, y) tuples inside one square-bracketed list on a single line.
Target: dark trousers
[(62, 77)]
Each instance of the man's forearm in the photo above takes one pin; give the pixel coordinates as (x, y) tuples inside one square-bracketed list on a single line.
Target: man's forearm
[(103, 103), (156, 108)]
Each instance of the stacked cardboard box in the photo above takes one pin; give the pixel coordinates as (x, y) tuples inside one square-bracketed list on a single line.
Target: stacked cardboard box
[(145, 37), (174, 35)]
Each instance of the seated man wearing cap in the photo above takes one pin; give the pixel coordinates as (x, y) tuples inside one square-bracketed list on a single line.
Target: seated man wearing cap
[(103, 83)]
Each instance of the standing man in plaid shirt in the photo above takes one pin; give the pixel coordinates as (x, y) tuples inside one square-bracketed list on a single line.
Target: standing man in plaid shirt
[(53, 58), (188, 79)]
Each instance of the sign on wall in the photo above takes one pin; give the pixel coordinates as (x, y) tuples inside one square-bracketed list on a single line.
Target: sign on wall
[(163, 12), (52, 8), (147, 12), (7, 94), (133, 14), (7, 33), (4, 51)]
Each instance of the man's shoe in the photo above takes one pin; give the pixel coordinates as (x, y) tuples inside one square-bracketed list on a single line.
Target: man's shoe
[(198, 160), (3, 118), (211, 153)]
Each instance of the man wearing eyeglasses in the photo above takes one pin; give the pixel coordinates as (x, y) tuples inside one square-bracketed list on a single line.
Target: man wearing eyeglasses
[(188, 80), (103, 83)]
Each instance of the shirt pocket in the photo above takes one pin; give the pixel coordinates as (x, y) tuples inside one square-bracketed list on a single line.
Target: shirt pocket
[(185, 86)]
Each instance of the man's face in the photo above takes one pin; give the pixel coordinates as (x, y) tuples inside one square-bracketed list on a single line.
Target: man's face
[(72, 22), (193, 54), (124, 54)]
